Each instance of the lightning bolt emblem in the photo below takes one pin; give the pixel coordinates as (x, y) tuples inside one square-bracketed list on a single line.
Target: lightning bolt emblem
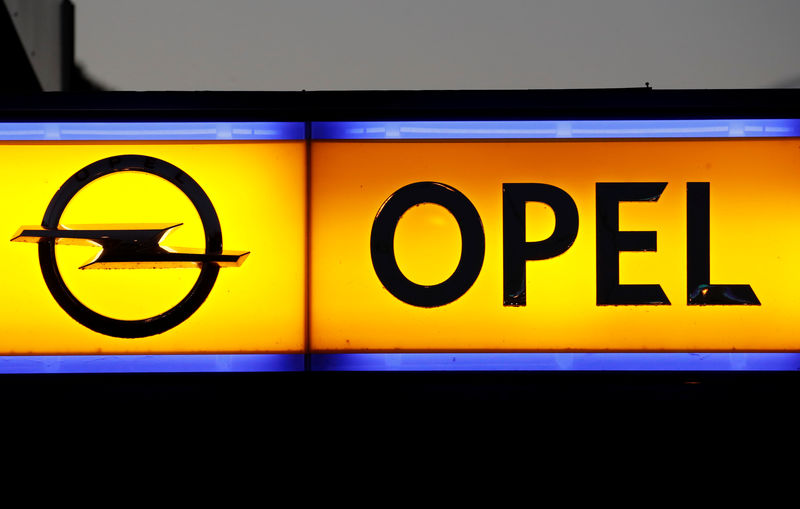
[(129, 246)]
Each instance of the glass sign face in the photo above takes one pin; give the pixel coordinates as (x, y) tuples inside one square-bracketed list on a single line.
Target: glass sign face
[(668, 236), (142, 238)]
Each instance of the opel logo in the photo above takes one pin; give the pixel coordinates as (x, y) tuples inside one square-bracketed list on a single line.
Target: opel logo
[(136, 247)]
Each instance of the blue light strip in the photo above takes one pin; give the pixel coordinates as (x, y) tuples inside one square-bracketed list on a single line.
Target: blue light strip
[(546, 129), (151, 131), (556, 362), (229, 363), (421, 130), (241, 363)]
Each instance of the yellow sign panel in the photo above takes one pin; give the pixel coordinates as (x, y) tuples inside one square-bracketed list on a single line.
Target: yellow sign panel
[(613, 245), (152, 206)]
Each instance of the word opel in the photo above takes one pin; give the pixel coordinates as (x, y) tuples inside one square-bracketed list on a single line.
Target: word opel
[(517, 251)]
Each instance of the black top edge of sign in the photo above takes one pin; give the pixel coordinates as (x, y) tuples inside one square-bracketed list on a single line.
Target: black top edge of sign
[(609, 104)]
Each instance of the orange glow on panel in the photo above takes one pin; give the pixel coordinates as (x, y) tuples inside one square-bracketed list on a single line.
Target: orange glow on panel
[(754, 213)]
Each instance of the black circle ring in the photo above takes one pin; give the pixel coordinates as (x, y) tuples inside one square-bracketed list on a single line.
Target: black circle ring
[(147, 326)]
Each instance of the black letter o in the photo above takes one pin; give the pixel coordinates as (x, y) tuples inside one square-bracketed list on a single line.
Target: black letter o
[(473, 244)]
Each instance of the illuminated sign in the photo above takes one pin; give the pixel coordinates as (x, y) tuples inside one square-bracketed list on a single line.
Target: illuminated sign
[(555, 236), (400, 245), (205, 185)]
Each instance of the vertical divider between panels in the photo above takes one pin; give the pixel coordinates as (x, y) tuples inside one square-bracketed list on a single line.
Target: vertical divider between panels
[(307, 346)]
